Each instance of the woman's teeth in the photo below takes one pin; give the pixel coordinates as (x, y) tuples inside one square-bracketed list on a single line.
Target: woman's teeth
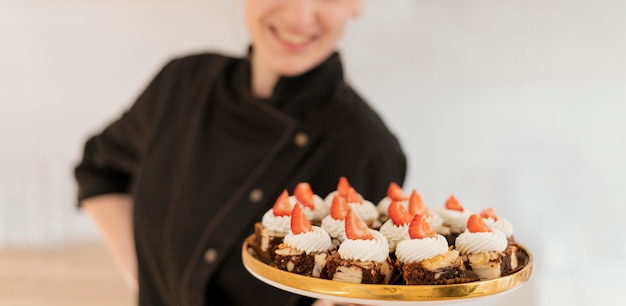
[(294, 39)]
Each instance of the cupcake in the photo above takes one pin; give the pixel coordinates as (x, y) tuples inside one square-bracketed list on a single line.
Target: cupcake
[(335, 223), (417, 207), (497, 223), (363, 257), (454, 217), (426, 258), (397, 227), (394, 193), (365, 209), (305, 249), (312, 204), (485, 251), (275, 224), (342, 189)]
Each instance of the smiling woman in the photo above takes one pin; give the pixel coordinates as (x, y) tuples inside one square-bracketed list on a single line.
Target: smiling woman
[(179, 180), (291, 37)]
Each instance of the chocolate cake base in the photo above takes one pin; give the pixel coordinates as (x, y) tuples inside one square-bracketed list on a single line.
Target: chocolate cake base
[(265, 243), (313, 264), (360, 272)]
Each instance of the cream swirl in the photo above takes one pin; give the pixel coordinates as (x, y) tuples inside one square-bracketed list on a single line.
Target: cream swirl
[(316, 240), (328, 200), (481, 242), (502, 225), (394, 233), (279, 224), (335, 228), (456, 220), (435, 220), (414, 250), (376, 249), (366, 210), (318, 213)]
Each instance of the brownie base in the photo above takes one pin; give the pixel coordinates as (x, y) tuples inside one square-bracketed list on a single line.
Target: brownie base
[(370, 272)]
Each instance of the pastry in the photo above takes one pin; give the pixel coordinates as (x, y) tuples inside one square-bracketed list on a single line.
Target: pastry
[(394, 193), (397, 227), (454, 217), (305, 249), (486, 251), (335, 223), (312, 204), (426, 258), (363, 257), (275, 224)]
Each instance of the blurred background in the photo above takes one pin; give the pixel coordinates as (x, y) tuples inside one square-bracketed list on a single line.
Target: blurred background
[(516, 105)]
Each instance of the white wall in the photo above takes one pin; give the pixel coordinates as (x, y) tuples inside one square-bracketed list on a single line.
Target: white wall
[(519, 105)]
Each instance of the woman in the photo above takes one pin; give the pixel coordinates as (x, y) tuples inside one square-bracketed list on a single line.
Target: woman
[(176, 184)]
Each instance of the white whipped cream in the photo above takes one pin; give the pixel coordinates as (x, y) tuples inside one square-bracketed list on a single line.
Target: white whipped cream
[(502, 225), (318, 213), (335, 228), (456, 220), (366, 211), (435, 221), (328, 200), (394, 233), (279, 224), (414, 250), (481, 242), (316, 240), (376, 250)]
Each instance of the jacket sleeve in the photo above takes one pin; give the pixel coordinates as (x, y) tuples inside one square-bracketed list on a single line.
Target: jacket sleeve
[(111, 157)]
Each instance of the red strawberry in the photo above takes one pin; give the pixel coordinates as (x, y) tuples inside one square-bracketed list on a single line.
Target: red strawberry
[(356, 228), (343, 186), (453, 204), (476, 224), (489, 213), (398, 214), (339, 208), (304, 195), (416, 204), (395, 193), (420, 228), (353, 196), (282, 207), (299, 222)]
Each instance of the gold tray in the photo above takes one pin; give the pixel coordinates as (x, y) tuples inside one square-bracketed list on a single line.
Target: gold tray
[(370, 294)]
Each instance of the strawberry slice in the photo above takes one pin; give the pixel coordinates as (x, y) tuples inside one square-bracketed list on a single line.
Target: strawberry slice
[(395, 193), (398, 214), (299, 222), (356, 228), (282, 207), (476, 224), (489, 213), (343, 186), (420, 228), (416, 204), (304, 195), (453, 204), (339, 208), (353, 196)]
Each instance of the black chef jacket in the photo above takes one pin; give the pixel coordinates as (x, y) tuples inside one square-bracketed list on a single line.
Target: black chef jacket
[(203, 160)]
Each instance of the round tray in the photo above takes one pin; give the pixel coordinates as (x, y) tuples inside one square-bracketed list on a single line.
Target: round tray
[(370, 294)]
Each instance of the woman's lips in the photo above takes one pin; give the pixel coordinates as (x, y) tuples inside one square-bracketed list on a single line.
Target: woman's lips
[(292, 42)]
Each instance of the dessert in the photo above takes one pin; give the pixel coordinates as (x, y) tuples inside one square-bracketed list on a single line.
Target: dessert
[(342, 189), (394, 193), (497, 223), (397, 227), (275, 224), (426, 258), (454, 217), (335, 223), (416, 206), (365, 209), (363, 257), (312, 204), (305, 249), (486, 251)]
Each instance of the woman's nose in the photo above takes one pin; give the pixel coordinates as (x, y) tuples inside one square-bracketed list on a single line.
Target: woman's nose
[(300, 12)]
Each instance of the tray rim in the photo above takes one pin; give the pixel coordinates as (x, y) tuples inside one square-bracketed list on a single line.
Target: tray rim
[(350, 292)]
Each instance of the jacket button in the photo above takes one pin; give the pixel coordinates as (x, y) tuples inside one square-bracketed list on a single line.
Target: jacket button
[(301, 139), (210, 255), (256, 195)]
